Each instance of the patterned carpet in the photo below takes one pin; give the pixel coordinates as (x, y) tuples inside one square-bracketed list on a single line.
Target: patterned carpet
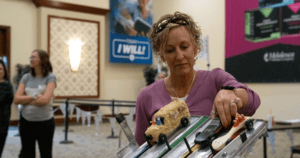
[(86, 144)]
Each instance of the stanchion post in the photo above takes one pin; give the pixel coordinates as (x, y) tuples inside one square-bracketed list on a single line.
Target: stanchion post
[(66, 141), (265, 146), (113, 115)]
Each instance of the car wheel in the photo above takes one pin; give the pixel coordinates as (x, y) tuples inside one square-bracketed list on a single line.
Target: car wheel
[(149, 137), (184, 121), (228, 141), (197, 134), (162, 138), (249, 124)]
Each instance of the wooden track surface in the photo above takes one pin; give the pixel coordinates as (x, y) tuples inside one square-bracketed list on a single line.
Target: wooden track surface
[(194, 148)]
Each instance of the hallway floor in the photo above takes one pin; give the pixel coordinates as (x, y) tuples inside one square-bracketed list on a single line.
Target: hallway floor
[(86, 144)]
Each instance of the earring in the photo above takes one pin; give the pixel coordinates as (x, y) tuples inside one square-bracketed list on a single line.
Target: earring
[(196, 57)]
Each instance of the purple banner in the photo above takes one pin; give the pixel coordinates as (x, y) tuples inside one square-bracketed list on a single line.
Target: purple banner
[(259, 30)]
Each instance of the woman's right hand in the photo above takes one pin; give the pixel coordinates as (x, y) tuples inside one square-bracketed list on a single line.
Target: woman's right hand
[(226, 105)]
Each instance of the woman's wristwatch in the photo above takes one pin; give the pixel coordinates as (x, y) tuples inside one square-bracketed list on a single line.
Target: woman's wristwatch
[(229, 88)]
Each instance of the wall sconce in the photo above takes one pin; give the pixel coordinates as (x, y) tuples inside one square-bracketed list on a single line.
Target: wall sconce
[(75, 54)]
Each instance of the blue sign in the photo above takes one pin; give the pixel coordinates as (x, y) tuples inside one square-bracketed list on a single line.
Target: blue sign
[(128, 28), (130, 50)]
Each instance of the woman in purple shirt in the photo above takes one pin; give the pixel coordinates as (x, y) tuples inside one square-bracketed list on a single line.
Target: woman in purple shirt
[(176, 41)]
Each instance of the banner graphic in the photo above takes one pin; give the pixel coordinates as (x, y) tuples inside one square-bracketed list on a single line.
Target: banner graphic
[(130, 21), (263, 40)]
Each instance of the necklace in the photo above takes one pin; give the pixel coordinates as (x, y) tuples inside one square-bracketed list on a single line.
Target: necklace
[(187, 91)]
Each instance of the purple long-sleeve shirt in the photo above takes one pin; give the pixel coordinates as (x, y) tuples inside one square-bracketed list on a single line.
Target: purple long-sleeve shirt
[(200, 100)]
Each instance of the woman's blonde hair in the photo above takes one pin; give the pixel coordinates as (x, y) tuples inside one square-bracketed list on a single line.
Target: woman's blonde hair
[(159, 40)]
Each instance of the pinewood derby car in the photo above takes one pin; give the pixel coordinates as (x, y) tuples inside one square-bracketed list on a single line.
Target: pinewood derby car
[(240, 122), (167, 119)]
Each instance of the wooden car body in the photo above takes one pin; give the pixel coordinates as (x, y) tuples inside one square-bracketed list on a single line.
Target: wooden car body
[(167, 119)]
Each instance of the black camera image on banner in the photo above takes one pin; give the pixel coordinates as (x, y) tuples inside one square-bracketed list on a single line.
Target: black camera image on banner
[(262, 24)]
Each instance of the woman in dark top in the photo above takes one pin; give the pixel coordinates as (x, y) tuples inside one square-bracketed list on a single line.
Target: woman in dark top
[(6, 98)]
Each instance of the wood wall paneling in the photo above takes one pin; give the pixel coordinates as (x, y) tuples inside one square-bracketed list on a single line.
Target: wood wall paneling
[(5, 45), (61, 28), (70, 7)]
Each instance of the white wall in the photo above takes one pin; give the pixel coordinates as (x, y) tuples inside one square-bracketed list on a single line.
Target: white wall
[(117, 81), (282, 99), (21, 16)]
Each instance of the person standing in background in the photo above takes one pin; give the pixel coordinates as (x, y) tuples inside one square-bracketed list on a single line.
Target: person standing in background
[(6, 98), (21, 70), (163, 73), (35, 93)]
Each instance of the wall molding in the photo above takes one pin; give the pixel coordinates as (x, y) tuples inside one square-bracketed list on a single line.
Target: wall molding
[(70, 7)]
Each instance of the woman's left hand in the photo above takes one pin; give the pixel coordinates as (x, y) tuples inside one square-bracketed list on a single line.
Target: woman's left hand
[(226, 105), (39, 96)]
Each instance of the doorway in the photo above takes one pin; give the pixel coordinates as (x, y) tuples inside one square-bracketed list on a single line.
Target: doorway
[(5, 46)]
